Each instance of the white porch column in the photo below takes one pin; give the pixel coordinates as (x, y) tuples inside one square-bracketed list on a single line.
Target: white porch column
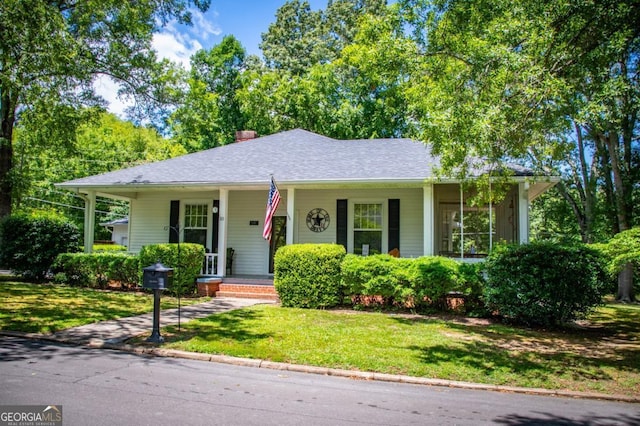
[(427, 217), (523, 212), (89, 220), (223, 210), (291, 214)]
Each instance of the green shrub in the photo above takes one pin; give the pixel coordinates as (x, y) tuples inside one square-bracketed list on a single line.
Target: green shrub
[(186, 266), (425, 282), (544, 283), (379, 275), (125, 268), (471, 285), (308, 275), (623, 248), (96, 269), (97, 248), (30, 243), (73, 269), (433, 278)]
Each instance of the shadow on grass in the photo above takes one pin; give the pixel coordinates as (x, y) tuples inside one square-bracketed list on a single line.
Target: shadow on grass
[(237, 325), (534, 354), (47, 308)]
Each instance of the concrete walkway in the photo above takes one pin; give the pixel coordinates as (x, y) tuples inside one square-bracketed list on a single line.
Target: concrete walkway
[(119, 330)]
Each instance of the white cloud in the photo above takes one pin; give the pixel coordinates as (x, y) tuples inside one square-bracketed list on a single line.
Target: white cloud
[(176, 47), (174, 42), (203, 27), (108, 89)]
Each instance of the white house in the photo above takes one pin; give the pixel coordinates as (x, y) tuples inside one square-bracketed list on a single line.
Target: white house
[(369, 195), (119, 230)]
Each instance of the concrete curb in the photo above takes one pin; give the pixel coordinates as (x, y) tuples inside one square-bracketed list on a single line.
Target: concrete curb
[(324, 371)]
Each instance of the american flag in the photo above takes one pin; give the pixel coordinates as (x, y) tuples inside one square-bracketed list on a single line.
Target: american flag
[(272, 206)]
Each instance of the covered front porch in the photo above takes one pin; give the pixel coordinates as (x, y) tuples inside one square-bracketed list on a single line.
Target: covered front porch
[(410, 218)]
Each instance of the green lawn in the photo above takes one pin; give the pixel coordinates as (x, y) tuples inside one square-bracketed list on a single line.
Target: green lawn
[(48, 308), (601, 356)]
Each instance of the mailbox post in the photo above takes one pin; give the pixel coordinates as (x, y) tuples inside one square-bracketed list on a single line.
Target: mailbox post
[(156, 277)]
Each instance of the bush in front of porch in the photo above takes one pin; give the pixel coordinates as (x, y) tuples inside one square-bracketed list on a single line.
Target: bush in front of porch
[(424, 283), (184, 258), (308, 275)]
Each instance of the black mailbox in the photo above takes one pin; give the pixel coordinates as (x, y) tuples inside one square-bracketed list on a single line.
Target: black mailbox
[(157, 277)]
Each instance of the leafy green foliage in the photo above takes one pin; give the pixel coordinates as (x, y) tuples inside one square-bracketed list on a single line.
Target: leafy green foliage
[(186, 263), (622, 253), (434, 278), (623, 248), (379, 275), (52, 51), (210, 113), (544, 283), (96, 269), (108, 247), (104, 144), (30, 243), (421, 283), (308, 275)]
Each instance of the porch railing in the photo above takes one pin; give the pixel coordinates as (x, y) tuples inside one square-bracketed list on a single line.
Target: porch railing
[(210, 264)]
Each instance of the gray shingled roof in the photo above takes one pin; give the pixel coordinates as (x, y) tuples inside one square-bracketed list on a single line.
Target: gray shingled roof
[(295, 156)]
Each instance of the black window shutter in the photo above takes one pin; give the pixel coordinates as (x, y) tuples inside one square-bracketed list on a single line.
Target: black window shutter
[(216, 219), (394, 224), (174, 221), (341, 222)]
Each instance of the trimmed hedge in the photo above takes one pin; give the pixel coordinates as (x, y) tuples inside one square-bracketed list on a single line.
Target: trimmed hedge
[(97, 269), (308, 275), (108, 248), (544, 283), (30, 243), (381, 275), (424, 282), (186, 267)]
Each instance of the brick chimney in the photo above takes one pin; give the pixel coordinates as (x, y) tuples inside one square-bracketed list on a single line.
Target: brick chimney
[(245, 135)]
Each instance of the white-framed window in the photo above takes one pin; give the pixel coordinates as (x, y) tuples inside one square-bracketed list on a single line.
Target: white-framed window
[(368, 228), (196, 223), (473, 234)]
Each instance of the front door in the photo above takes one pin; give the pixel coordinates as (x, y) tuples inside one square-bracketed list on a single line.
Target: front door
[(278, 237)]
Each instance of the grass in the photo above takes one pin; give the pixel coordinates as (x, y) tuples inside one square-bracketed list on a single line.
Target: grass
[(46, 308), (602, 355)]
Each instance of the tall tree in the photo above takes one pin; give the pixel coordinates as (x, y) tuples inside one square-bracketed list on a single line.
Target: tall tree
[(504, 79), (210, 113), (301, 38), (105, 143), (294, 41), (51, 52)]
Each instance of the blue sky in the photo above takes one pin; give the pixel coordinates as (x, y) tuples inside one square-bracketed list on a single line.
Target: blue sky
[(245, 19)]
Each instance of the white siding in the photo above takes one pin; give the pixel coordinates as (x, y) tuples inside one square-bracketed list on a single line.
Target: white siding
[(411, 221), (150, 215)]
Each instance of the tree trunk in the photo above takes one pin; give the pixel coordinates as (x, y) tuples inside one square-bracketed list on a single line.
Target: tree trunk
[(7, 118), (624, 210), (625, 284)]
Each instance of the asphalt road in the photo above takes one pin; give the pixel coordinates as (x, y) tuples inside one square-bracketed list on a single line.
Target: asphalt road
[(105, 387)]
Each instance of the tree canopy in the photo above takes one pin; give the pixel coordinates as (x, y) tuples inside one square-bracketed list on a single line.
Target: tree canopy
[(51, 52)]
